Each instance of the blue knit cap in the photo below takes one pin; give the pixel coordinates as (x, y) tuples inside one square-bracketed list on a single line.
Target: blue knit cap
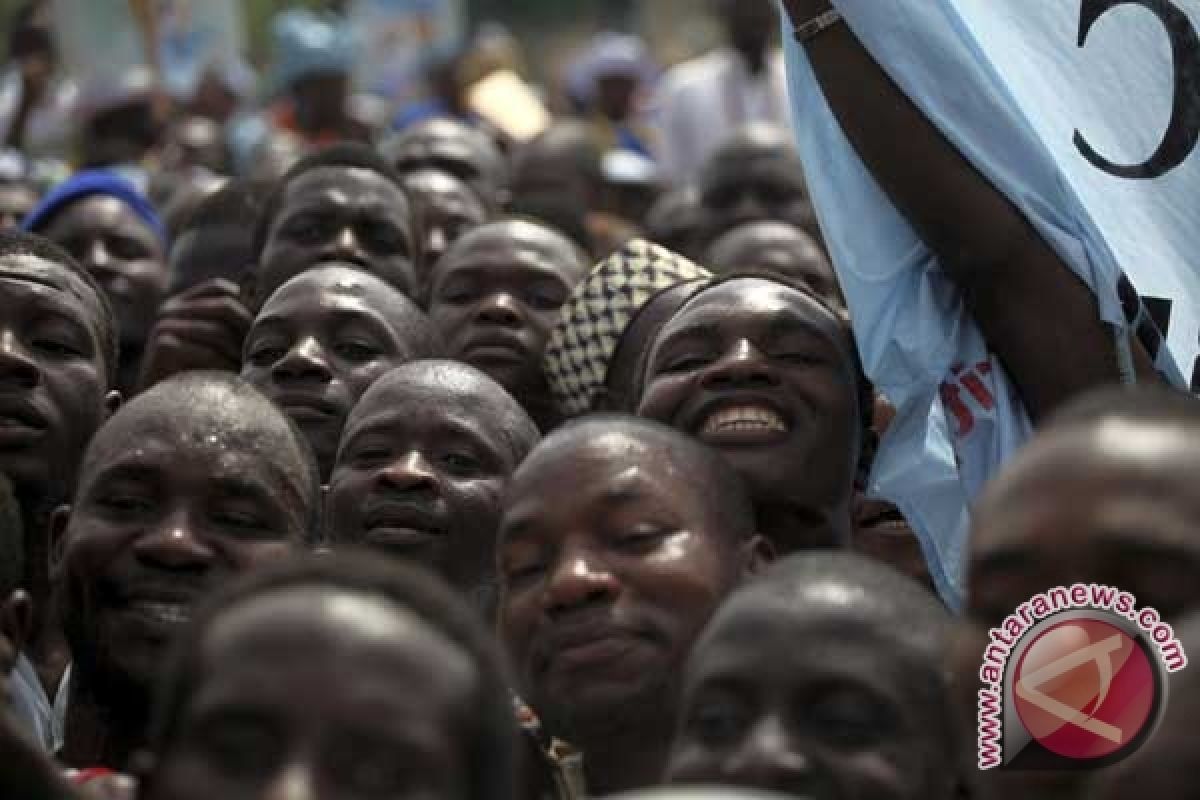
[(92, 182)]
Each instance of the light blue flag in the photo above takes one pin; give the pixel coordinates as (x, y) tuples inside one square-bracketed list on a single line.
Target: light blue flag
[(1085, 114)]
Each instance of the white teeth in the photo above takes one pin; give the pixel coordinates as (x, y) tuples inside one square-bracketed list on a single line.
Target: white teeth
[(166, 613), (744, 418)]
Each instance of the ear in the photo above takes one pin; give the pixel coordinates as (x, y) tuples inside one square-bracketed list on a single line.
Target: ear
[(112, 401), (16, 618), (60, 518), (756, 554)]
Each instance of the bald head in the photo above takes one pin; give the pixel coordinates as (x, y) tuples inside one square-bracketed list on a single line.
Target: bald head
[(563, 252), (846, 588), (450, 145), (779, 248), (218, 411), (452, 384), (640, 444)]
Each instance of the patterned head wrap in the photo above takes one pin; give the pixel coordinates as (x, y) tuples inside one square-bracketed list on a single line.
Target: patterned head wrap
[(599, 311)]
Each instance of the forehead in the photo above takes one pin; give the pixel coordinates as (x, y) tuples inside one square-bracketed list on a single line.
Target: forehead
[(235, 443), (334, 289), (343, 186), (611, 466), (364, 632), (422, 403), (737, 304), (47, 283), (525, 244), (1122, 485)]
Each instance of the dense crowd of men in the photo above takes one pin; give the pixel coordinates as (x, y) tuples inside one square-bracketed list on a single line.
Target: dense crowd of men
[(410, 459)]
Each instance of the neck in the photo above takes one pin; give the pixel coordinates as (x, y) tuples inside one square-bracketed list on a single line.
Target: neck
[(632, 760), (99, 732), (792, 527)]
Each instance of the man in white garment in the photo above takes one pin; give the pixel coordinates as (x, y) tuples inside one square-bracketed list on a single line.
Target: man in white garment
[(699, 103)]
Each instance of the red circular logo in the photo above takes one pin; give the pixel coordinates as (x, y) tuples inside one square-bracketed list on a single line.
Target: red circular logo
[(1085, 688)]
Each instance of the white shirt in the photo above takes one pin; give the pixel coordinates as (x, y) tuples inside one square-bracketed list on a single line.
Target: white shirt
[(42, 719), (699, 103)]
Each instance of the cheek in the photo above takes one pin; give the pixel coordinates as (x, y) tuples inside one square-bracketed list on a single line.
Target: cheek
[(243, 556), (662, 398)]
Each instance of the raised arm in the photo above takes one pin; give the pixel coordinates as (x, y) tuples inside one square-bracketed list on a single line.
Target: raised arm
[(1038, 317)]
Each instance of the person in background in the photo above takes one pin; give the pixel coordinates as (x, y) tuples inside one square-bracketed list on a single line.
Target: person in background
[(496, 294), (203, 321), (607, 82), (700, 103), (423, 464), (17, 198), (824, 679), (313, 58), (323, 338), (1102, 495), (107, 225), (403, 692), (193, 482), (620, 537), (778, 247), (679, 222), (343, 203), (755, 176), (454, 147), (444, 210), (35, 101)]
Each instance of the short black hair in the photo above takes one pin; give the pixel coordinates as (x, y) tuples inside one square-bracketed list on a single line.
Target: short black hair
[(705, 469), (492, 745), (1147, 403), (14, 244), (192, 392), (12, 541), (347, 155)]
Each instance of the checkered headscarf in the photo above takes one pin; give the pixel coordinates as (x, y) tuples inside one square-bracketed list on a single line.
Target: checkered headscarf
[(599, 311)]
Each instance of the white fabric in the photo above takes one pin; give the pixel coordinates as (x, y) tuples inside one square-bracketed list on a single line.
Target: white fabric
[(32, 708), (699, 103), (1005, 82)]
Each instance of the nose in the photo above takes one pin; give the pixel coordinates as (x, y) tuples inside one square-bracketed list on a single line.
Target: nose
[(17, 369), (743, 366), (295, 782), (500, 308), (174, 544), (579, 579), (411, 473), (305, 362), (345, 246), (771, 759)]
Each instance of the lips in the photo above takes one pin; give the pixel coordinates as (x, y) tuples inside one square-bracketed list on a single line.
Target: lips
[(495, 348), (159, 607), (304, 408), (402, 526), (749, 422), (585, 646), (20, 423)]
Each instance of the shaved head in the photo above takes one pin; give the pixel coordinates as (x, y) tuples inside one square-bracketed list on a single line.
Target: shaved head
[(699, 467)]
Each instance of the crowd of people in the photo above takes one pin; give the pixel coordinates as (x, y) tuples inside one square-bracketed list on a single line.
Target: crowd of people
[(361, 454)]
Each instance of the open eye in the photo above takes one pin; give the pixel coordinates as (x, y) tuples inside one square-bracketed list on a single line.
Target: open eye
[(266, 354), (684, 362), (641, 538), (57, 348)]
